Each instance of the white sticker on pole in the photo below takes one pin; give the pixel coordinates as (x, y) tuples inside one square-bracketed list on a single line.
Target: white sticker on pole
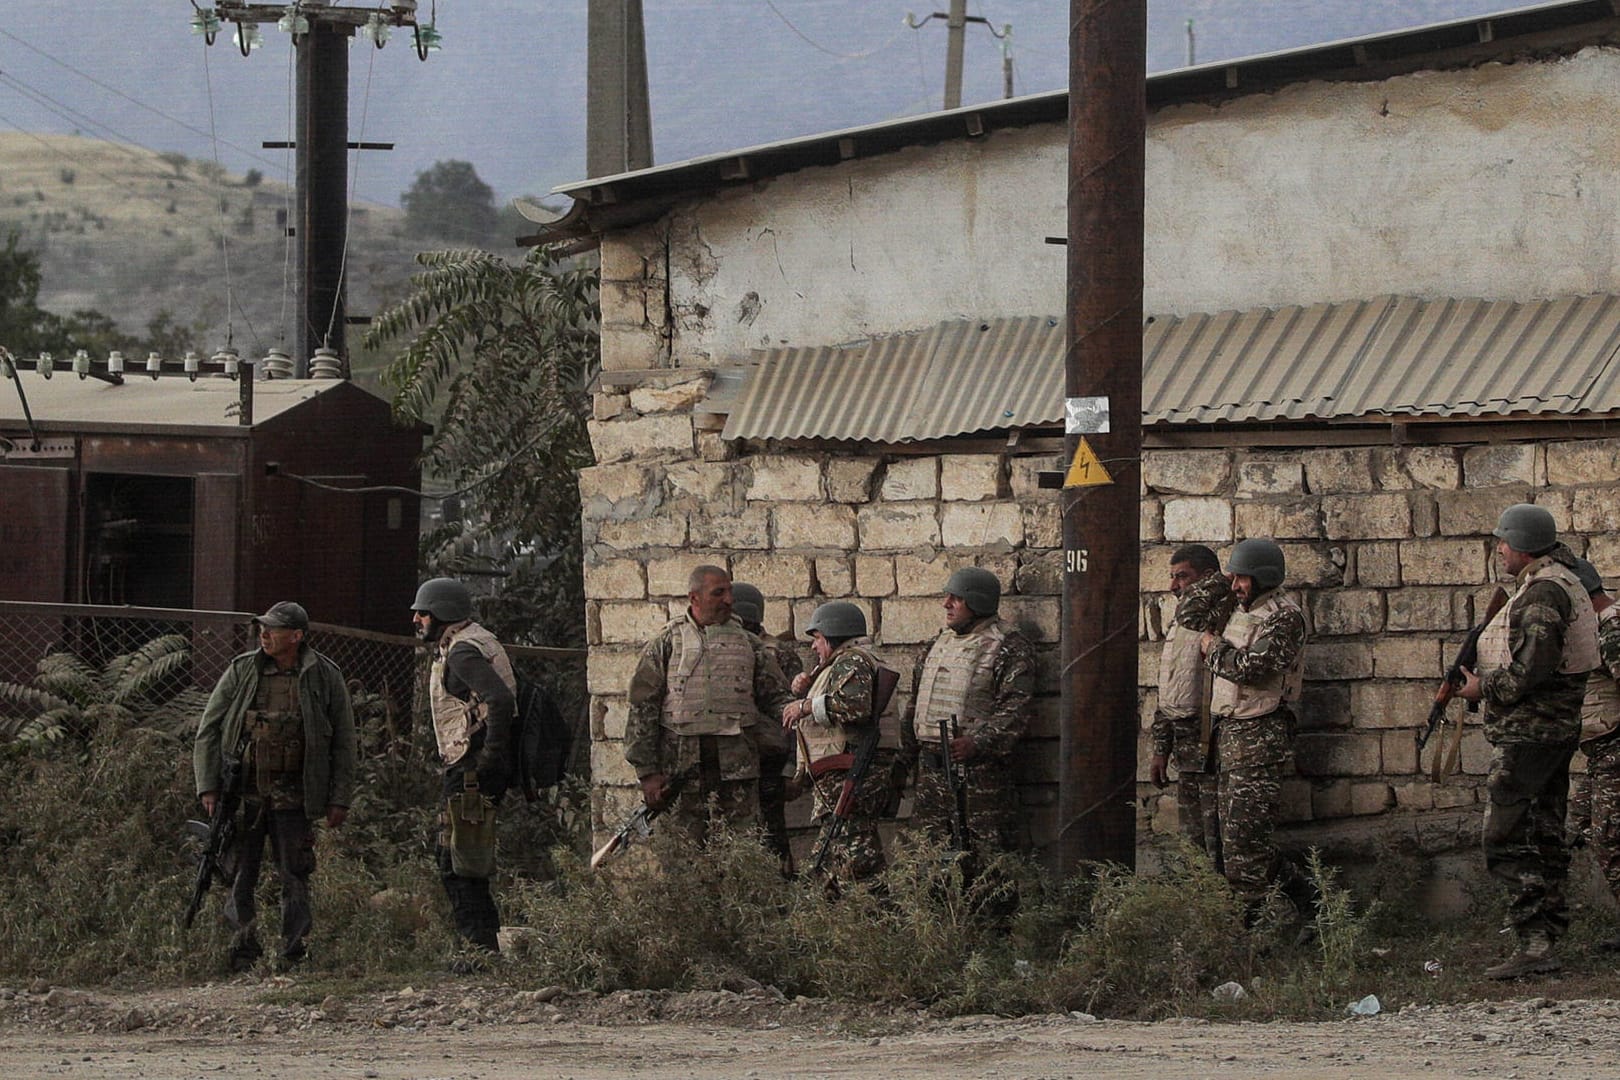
[(1085, 415)]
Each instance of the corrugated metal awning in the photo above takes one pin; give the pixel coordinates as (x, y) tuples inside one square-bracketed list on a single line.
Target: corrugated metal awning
[(1390, 356)]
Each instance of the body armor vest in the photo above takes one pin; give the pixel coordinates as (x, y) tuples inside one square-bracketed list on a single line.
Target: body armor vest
[(456, 721), (825, 740), (1580, 637), (1181, 673), (1600, 712), (709, 685), (276, 729), (1243, 700), (958, 678)]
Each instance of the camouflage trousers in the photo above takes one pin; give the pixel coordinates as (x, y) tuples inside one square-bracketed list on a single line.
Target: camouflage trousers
[(1198, 809), (773, 807), (1524, 833), (1594, 809), (993, 817), (292, 844), (717, 789), (856, 852), (1250, 798)]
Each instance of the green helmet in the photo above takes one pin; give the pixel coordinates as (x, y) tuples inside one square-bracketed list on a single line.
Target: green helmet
[(446, 599), (1591, 580), (1258, 559), (747, 603), (1527, 528), (980, 589), (838, 619)]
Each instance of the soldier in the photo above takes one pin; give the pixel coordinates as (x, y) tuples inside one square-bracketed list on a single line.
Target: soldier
[(473, 691), (775, 742), (1258, 664), (980, 671), (1182, 721), (1595, 807), (696, 700), (837, 714), (282, 715), (1534, 658)]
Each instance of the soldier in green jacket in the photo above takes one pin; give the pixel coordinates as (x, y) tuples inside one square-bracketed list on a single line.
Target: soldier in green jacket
[(282, 714)]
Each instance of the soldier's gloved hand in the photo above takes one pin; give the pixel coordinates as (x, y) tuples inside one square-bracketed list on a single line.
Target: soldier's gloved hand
[(1159, 770)]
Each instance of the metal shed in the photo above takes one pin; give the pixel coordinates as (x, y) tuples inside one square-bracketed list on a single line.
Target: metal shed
[(152, 492)]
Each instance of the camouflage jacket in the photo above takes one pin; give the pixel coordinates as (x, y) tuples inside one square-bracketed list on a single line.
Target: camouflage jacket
[(775, 741), (1530, 701), (1013, 675), (1277, 645), (649, 683), (1206, 604)]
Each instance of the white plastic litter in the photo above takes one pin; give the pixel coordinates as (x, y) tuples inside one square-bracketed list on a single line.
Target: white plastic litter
[(1367, 1006), (1229, 991)]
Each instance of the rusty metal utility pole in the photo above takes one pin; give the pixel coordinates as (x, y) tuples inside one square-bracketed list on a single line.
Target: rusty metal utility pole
[(321, 192), (1103, 386)]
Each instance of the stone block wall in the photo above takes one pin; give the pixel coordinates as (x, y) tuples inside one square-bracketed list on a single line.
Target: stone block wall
[(1388, 550)]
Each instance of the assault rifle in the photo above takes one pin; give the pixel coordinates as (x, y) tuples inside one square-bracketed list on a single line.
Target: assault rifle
[(638, 826), (1467, 657), (860, 764), (218, 836), (956, 780)]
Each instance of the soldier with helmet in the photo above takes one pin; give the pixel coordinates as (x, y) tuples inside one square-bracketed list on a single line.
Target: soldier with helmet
[(698, 694), (981, 672), (1534, 659), (1594, 808), (841, 704), (1258, 665), (280, 714), (775, 743), (473, 691)]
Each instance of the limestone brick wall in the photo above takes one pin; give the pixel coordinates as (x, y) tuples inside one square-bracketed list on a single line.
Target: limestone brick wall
[(1388, 552)]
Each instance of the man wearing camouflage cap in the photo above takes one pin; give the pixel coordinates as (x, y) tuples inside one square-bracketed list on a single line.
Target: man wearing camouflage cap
[(775, 742), (1258, 665), (980, 671), (1534, 659), (280, 714)]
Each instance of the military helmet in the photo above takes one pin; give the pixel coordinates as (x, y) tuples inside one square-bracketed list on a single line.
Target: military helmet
[(1591, 580), (446, 599), (1527, 528), (979, 589), (1259, 559), (747, 603), (837, 619)]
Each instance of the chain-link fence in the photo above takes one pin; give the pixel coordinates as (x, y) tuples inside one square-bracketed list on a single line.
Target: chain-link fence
[(386, 673)]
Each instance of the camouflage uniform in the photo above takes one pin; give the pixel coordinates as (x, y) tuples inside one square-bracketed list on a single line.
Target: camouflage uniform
[(1533, 663), (1257, 666), (718, 749), (1595, 807), (1178, 723), (775, 755), (840, 718), (1003, 680)]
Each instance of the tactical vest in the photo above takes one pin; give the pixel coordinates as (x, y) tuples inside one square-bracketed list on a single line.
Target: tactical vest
[(455, 722), (958, 678), (276, 729), (1580, 637), (1243, 700), (824, 740), (1600, 712), (1181, 673), (709, 685)]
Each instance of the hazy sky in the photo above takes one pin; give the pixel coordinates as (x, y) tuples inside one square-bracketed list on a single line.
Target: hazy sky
[(507, 90)]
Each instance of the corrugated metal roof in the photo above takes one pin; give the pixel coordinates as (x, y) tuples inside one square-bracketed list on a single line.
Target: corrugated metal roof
[(1388, 356), (65, 400)]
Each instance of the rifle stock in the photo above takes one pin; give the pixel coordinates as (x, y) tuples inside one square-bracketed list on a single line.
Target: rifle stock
[(638, 826), (217, 835), (956, 781)]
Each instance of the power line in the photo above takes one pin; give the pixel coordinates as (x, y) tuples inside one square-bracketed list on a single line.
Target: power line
[(814, 44)]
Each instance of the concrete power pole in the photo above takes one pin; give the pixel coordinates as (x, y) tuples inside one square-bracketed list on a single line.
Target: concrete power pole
[(956, 39), (321, 193), (618, 117), (1103, 426)]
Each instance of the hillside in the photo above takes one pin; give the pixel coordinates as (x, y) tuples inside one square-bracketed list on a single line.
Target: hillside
[(131, 233)]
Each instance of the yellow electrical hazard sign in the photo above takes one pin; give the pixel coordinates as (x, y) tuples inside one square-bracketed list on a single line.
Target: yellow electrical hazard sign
[(1085, 470)]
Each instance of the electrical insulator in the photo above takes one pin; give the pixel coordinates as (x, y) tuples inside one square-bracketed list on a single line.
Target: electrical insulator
[(45, 364), (154, 364), (326, 364), (192, 363), (115, 363), (277, 364), (81, 363), (229, 360)]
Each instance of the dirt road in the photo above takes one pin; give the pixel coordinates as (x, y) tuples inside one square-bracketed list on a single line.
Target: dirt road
[(480, 1032)]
